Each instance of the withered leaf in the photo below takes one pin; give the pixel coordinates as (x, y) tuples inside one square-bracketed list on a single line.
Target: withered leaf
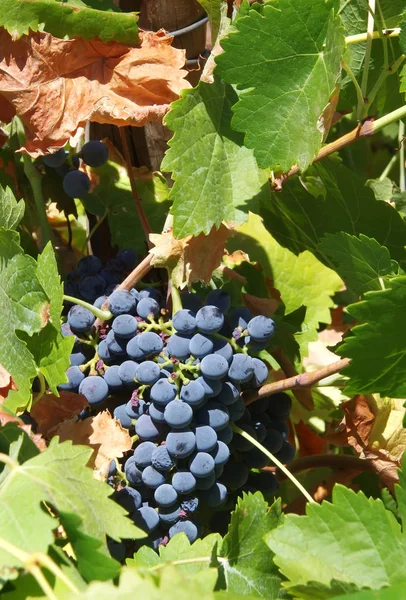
[(102, 433), (7, 383), (50, 410), (190, 259), (56, 85)]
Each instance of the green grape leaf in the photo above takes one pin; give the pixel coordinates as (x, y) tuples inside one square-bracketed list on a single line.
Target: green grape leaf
[(298, 219), (59, 477), (395, 592), (11, 211), (247, 562), (17, 444), (377, 346), (361, 261), (219, 189), (178, 549), (301, 280), (24, 312), (214, 10), (49, 348), (287, 62), (312, 548), (113, 198), (18, 17)]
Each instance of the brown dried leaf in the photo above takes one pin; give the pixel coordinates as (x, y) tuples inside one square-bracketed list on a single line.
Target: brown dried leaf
[(36, 438), (190, 259), (261, 306), (50, 410), (56, 85), (328, 115), (102, 433), (7, 383), (374, 428)]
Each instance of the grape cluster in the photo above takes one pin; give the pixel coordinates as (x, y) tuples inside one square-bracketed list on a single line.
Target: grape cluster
[(93, 283), (76, 184), (179, 383)]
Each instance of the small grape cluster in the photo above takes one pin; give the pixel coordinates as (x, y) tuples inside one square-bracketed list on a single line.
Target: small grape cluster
[(76, 184), (181, 382)]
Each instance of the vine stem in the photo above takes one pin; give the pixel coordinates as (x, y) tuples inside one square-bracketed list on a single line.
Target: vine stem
[(100, 314), (366, 128), (10, 462), (299, 381), (273, 458), (361, 108), (176, 299), (401, 135), (42, 388), (35, 179), (43, 583), (183, 561), (140, 211), (362, 37), (335, 461)]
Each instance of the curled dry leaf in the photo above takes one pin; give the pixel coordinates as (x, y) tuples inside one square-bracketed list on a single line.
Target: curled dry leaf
[(36, 438), (50, 411), (102, 433), (191, 258), (56, 85), (373, 427), (260, 306), (7, 383)]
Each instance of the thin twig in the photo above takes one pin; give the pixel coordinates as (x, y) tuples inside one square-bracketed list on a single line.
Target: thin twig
[(304, 397), (362, 37), (140, 211), (335, 461), (297, 382), (361, 108)]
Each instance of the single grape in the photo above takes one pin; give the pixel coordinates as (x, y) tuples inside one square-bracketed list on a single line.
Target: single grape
[(261, 328), (236, 410), (202, 464), (146, 429), (104, 353), (112, 279), (192, 393), (125, 326), (191, 301), (260, 373), (181, 443), (112, 378), (240, 317), (255, 459), (165, 495), (150, 343), (286, 453), (135, 409), (56, 159), (220, 453), (129, 499), (161, 459), (163, 392), (223, 348), (122, 302), (128, 258), (225, 435), (117, 346), (89, 265), (150, 293), (168, 515), (178, 346), (80, 319), (214, 414), (201, 345), (76, 184), (126, 372), (260, 430), (187, 527), (273, 441), (230, 392), (75, 378), (147, 307), (209, 319), (146, 518), (178, 414), (157, 413), (94, 153), (117, 550), (78, 358), (280, 426), (147, 373), (235, 475), (95, 389), (241, 368), (219, 298), (184, 482), (184, 321), (121, 415), (279, 405), (143, 454), (214, 366), (205, 483), (133, 350), (212, 387), (216, 495), (153, 478), (99, 302), (206, 438), (133, 473)]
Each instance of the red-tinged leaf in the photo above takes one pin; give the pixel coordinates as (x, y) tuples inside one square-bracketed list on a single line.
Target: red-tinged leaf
[(7, 383), (56, 85), (50, 411), (6, 417)]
